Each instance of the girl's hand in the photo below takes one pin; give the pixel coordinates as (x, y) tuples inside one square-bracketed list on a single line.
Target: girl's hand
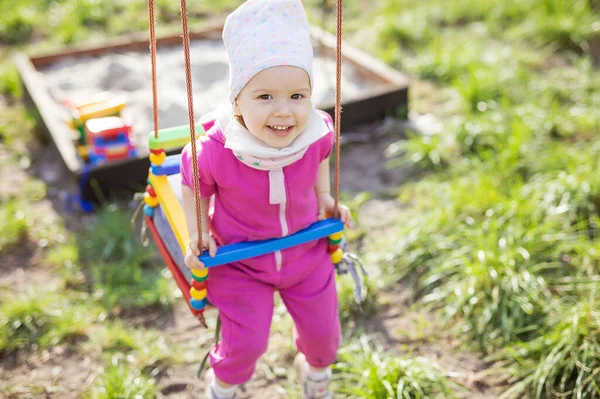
[(326, 206), (191, 257)]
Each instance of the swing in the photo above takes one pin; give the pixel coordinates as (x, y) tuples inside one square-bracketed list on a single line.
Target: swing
[(163, 209)]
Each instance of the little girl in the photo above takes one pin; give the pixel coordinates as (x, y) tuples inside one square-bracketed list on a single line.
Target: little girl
[(265, 159)]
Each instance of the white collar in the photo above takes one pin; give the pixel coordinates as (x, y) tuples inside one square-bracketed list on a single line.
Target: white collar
[(239, 139)]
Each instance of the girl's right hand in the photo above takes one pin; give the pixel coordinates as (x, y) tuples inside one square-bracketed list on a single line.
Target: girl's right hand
[(191, 257)]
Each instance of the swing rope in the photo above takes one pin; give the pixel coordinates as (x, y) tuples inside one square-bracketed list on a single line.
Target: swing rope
[(188, 80), (153, 58), (338, 107)]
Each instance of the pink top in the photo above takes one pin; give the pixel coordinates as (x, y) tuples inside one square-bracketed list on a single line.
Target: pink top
[(242, 209)]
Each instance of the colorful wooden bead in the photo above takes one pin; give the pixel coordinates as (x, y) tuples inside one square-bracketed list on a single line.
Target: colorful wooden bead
[(158, 159), (157, 152), (148, 211), (337, 256), (198, 304), (199, 279), (197, 294), (150, 190), (200, 272), (331, 248), (336, 236), (150, 201), (199, 285), (334, 242)]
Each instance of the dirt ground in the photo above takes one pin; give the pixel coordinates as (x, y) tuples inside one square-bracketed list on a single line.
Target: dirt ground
[(63, 373)]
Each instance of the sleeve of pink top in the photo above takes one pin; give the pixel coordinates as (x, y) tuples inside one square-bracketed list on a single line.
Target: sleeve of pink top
[(326, 143), (207, 184)]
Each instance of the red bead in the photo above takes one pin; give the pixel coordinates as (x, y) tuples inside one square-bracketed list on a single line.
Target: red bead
[(331, 248), (198, 285), (157, 152), (150, 190)]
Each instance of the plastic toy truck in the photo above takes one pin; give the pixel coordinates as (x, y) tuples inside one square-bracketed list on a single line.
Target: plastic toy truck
[(101, 106), (108, 139)]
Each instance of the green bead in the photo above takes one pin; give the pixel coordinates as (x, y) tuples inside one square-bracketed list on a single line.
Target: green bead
[(334, 242), (200, 278)]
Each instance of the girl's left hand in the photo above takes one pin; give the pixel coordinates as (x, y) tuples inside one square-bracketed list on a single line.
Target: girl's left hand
[(326, 206)]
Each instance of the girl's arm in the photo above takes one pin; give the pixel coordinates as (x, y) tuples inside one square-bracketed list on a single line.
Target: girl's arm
[(189, 210), (323, 185), (324, 198)]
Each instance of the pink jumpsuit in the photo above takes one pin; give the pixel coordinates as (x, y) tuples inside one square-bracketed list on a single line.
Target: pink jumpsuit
[(244, 291)]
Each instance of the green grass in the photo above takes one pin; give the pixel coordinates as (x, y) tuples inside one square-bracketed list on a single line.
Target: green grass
[(14, 224), (16, 125), (125, 286), (485, 256), (119, 270), (363, 371), (10, 83), (119, 380), (111, 238), (41, 320), (564, 360), (503, 224), (146, 350), (72, 21)]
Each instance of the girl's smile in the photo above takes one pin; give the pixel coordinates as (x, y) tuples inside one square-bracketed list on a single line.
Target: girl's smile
[(281, 131)]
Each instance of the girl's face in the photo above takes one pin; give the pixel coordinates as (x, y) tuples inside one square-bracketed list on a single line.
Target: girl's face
[(275, 105)]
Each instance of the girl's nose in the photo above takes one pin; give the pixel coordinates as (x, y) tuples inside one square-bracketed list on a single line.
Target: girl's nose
[(282, 109)]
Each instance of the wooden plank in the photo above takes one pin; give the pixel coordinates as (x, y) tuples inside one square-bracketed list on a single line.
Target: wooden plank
[(370, 108), (134, 42), (375, 68), (245, 250), (170, 166), (391, 99), (172, 209), (173, 137), (183, 284), (57, 131)]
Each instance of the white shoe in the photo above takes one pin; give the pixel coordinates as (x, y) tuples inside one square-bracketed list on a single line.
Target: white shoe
[(313, 389), (209, 392)]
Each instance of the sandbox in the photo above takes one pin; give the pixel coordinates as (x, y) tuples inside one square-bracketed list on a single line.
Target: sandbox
[(370, 91)]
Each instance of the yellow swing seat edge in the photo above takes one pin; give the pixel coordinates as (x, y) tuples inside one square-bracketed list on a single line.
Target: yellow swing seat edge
[(172, 208)]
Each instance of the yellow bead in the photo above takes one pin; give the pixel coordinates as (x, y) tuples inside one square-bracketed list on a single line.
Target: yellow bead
[(82, 151), (200, 273), (152, 202), (158, 159), (337, 256), (197, 294), (336, 236)]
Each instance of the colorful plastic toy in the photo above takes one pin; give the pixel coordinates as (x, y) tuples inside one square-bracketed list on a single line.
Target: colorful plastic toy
[(108, 139), (103, 105)]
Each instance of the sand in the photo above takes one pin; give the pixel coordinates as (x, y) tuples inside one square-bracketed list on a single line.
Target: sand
[(128, 74)]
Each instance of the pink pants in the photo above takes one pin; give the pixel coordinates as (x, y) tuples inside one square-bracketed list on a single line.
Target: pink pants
[(244, 295)]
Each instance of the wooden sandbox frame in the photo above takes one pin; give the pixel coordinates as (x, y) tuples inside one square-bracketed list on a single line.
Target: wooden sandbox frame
[(391, 97)]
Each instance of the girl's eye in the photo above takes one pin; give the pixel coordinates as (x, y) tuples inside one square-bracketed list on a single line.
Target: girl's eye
[(265, 97), (297, 96)]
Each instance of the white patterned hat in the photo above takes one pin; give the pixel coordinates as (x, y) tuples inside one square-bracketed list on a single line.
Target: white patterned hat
[(261, 34)]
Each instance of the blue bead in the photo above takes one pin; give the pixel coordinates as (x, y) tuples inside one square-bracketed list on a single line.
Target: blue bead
[(198, 304), (86, 206), (148, 211)]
